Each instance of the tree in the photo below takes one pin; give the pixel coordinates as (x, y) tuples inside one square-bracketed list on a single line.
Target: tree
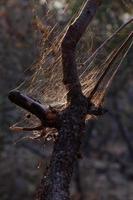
[(70, 122)]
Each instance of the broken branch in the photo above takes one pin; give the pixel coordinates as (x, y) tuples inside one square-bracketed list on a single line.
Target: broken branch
[(47, 116)]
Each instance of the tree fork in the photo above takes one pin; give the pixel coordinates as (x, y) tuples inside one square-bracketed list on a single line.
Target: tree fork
[(55, 183), (70, 122)]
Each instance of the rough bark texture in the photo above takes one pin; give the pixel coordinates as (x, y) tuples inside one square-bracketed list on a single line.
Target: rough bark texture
[(55, 183), (72, 37)]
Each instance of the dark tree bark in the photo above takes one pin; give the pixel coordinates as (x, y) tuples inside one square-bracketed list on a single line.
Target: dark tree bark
[(71, 121), (55, 184)]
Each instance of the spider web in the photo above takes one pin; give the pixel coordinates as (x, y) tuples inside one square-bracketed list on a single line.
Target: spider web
[(46, 82)]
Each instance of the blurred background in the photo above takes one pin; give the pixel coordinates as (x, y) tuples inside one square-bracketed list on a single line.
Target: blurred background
[(105, 170)]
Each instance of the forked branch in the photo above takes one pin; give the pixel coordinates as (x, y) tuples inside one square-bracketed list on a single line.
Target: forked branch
[(55, 183), (111, 59), (71, 121)]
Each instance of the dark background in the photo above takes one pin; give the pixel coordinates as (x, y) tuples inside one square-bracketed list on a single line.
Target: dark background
[(106, 169)]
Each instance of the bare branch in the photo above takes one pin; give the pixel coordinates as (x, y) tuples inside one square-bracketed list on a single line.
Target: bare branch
[(72, 37), (105, 43), (48, 117), (113, 58), (55, 183), (71, 121)]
